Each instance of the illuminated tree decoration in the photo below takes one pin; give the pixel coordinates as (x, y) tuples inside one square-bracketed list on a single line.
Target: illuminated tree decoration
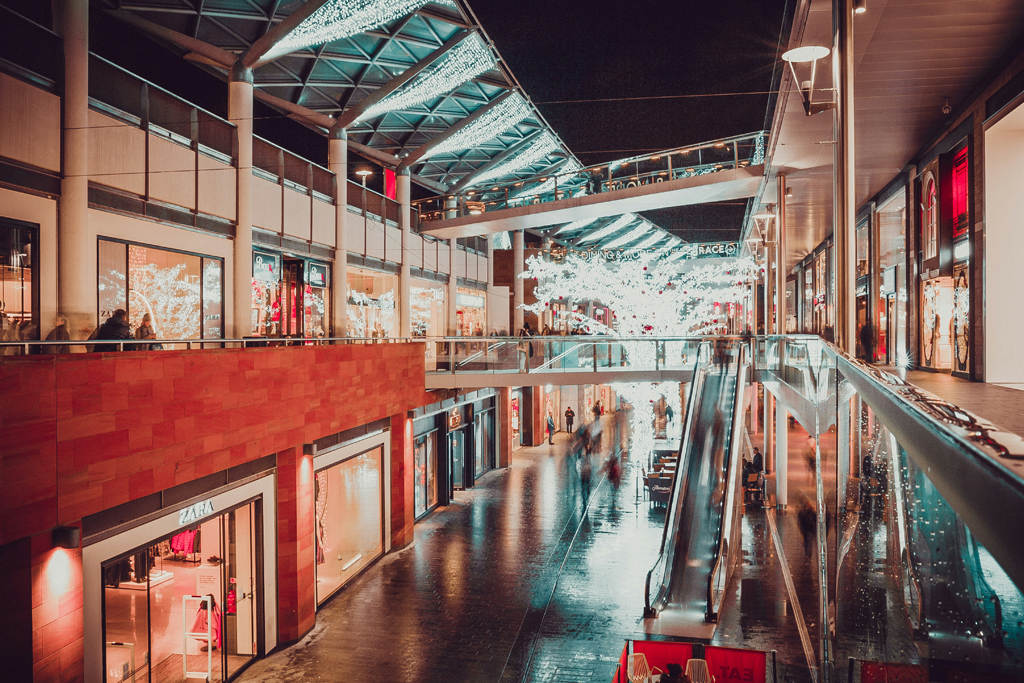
[(339, 19), (491, 124), (541, 146), (650, 294), (468, 59)]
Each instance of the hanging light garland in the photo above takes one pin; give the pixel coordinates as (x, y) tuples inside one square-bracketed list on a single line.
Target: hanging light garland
[(630, 237), (575, 225), (491, 124), (548, 186), (537, 149), (468, 59), (341, 19), (610, 229)]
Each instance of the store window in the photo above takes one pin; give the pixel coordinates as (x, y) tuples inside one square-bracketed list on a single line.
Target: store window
[(19, 289), (266, 294), (425, 451), (182, 293), (349, 519), (371, 303), (184, 606), (892, 304), (862, 248), (317, 321), (483, 423), (471, 309), (428, 309), (931, 218)]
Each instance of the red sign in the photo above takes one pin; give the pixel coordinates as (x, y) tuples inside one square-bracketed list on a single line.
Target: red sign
[(729, 665), (661, 654), (883, 672), (390, 186), (620, 674)]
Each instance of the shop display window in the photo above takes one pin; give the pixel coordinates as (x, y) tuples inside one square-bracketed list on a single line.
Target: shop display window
[(317, 321), (19, 290), (425, 450), (471, 309), (371, 303), (428, 310), (349, 520), (930, 241), (483, 423), (182, 293), (184, 604), (266, 295), (892, 303), (862, 248)]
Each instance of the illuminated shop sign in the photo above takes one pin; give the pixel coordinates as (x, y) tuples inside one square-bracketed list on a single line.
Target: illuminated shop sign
[(717, 249), (317, 275), (469, 300), (962, 251), (454, 418), (194, 512), (266, 267)]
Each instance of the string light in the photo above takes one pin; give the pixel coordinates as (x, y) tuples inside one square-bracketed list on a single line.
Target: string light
[(650, 241), (548, 185), (613, 227), (342, 19), (630, 237), (492, 123), (468, 59), (575, 225), (537, 149)]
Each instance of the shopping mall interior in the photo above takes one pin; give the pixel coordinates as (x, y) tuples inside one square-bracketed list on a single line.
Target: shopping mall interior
[(529, 342)]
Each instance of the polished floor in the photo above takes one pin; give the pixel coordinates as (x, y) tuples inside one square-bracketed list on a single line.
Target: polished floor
[(1001, 405), (519, 581)]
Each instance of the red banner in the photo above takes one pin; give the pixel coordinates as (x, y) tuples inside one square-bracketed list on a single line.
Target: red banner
[(620, 674), (660, 654), (730, 665), (390, 188), (883, 672)]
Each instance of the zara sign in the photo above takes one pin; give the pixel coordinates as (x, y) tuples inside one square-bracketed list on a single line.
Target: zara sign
[(194, 512)]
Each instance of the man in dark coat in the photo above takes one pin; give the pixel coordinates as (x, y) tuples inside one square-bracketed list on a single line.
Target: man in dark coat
[(115, 327), (569, 417)]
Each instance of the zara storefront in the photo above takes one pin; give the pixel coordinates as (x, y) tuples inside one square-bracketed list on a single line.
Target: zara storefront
[(187, 591)]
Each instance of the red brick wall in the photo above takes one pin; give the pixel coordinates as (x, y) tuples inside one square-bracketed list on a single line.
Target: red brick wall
[(86, 432)]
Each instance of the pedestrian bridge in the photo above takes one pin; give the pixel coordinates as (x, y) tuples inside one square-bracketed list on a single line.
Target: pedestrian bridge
[(720, 170)]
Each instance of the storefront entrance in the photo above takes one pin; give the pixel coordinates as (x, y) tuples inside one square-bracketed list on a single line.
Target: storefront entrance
[(184, 606), (188, 594), (937, 323)]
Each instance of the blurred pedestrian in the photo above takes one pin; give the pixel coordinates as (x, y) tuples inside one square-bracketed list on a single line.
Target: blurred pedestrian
[(807, 521), (551, 429), (115, 327), (569, 417), (58, 333)]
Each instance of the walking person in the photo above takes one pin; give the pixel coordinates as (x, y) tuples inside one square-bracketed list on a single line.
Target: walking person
[(115, 327), (585, 471), (569, 417), (551, 430), (58, 333), (807, 521), (525, 347)]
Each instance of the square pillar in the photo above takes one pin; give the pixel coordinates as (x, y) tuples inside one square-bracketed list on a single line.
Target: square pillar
[(781, 456), (296, 552), (337, 163), (504, 427), (403, 481), (240, 114)]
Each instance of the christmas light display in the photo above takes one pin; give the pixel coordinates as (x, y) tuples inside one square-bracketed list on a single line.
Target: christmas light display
[(548, 185), (649, 293), (503, 116), (466, 60), (503, 240), (630, 237), (575, 225), (341, 19), (541, 146), (361, 309), (610, 229)]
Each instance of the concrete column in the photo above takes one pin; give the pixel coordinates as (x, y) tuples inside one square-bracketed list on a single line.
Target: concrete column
[(337, 162), (780, 261), (519, 289), (76, 249), (769, 431), (405, 275), (844, 178), (781, 456), (240, 114), (769, 260)]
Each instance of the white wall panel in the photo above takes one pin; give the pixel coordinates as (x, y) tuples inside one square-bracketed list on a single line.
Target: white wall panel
[(444, 258), (459, 262), (297, 219), (393, 246), (266, 204), (29, 124), (171, 172), (117, 154), (375, 240), (216, 187), (354, 231), (323, 223), (430, 255)]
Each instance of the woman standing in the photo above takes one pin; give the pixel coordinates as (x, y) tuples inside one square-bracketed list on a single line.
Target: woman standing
[(146, 331)]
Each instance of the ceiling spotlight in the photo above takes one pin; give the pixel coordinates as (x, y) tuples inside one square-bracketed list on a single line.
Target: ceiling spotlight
[(860, 6), (808, 54), (946, 108)]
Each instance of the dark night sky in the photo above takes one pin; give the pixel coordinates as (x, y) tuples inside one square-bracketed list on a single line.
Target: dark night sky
[(580, 49)]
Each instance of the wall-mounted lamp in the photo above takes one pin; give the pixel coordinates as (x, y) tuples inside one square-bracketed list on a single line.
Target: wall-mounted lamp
[(763, 222), (860, 6), (69, 537), (808, 54)]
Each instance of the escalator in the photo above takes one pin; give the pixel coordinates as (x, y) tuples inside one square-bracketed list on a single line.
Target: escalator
[(685, 587)]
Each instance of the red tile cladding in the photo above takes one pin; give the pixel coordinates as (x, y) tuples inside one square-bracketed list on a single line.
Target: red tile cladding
[(90, 431)]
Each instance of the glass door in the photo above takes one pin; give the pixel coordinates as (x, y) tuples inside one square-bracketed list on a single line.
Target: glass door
[(457, 450), (239, 534), (294, 298)]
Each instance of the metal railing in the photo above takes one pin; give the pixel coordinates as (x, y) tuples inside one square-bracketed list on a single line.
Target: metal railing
[(682, 162)]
